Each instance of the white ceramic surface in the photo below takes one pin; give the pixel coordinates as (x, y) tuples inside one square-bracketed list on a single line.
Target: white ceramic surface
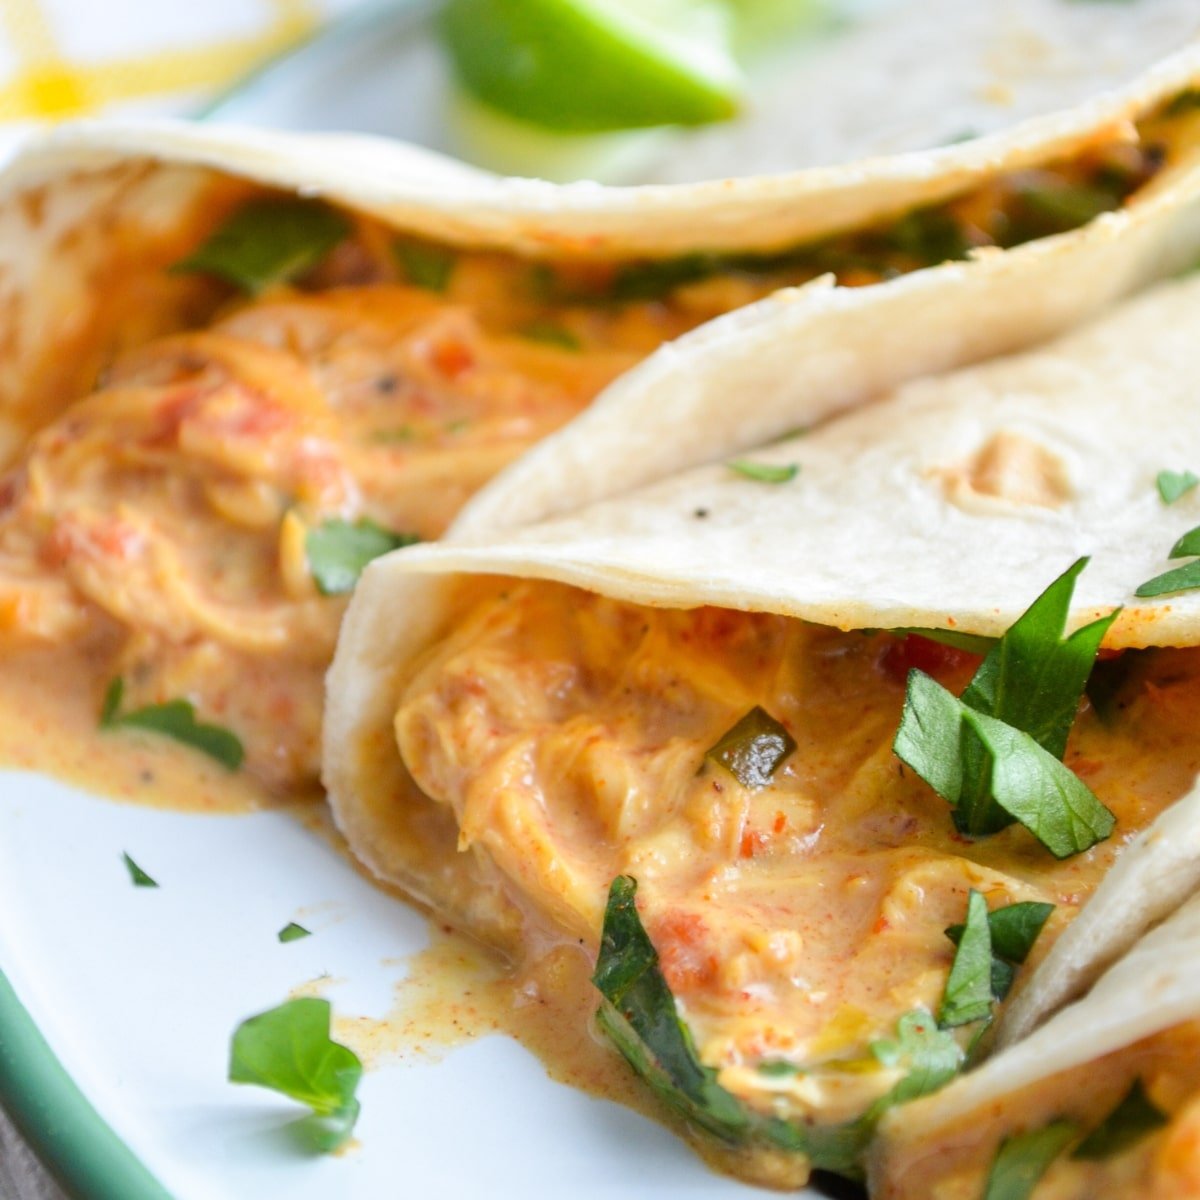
[(138, 990)]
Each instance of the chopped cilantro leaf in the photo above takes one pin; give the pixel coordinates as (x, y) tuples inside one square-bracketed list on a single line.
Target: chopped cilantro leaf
[(753, 749), (968, 994), (1173, 484), (973, 643), (425, 265), (1187, 545), (764, 472), (931, 235), (929, 1056), (1063, 206), (1013, 930), (1133, 1118), (339, 550), (993, 755), (174, 719), (777, 1067), (1023, 782), (1016, 927), (551, 334), (1181, 579), (652, 280), (292, 932), (639, 1016), (268, 242), (288, 1049), (1023, 1159), (137, 876), (1033, 678)]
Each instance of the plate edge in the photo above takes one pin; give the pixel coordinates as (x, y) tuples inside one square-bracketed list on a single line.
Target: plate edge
[(72, 1140)]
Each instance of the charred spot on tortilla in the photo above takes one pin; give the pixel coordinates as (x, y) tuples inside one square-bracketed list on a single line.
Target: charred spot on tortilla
[(1011, 468)]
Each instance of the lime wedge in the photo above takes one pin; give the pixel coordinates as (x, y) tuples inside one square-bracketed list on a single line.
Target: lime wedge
[(596, 65)]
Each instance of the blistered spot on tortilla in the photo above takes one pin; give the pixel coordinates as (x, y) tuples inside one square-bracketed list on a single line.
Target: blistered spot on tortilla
[(1011, 468)]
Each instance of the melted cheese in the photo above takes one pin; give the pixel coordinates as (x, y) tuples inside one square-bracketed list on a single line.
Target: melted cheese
[(156, 528), (567, 733)]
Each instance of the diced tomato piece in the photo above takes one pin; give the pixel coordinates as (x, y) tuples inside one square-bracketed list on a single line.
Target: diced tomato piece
[(934, 658), (680, 938), (452, 358)]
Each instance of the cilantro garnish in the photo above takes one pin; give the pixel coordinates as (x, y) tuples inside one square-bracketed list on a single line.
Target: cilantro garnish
[(1022, 1160), (639, 1016), (777, 1067), (764, 472), (551, 333), (268, 242), (1187, 545), (1133, 1118), (968, 994), (137, 876), (753, 748), (425, 266), (288, 1049), (929, 1056), (654, 279), (339, 550), (292, 932), (973, 643), (1064, 206), (1181, 579), (994, 755), (1012, 930), (1173, 484), (174, 719), (930, 235)]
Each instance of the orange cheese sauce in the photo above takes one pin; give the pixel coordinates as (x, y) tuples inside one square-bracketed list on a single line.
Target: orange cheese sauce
[(797, 921), (175, 456), (1164, 1164)]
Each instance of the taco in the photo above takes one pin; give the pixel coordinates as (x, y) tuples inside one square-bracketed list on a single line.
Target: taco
[(1102, 1100), (753, 738), (240, 364)]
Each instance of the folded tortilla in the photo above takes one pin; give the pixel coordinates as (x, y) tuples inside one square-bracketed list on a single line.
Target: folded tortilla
[(557, 693), (462, 318), (1047, 1103)]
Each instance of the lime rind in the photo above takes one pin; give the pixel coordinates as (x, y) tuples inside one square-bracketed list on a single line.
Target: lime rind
[(588, 66)]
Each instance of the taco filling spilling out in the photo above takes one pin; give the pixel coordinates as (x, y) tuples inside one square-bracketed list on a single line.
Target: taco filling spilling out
[(816, 909)]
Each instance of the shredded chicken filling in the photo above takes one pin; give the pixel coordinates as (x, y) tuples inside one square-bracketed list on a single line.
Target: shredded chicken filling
[(795, 921)]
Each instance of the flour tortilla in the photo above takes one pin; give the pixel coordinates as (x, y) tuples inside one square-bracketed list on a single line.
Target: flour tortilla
[(439, 198), (60, 197), (1154, 987), (877, 529)]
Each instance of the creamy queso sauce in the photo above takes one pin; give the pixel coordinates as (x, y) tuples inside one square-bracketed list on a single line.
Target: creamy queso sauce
[(796, 921), (154, 525)]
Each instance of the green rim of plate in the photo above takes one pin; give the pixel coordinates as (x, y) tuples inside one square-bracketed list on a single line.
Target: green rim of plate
[(70, 1137)]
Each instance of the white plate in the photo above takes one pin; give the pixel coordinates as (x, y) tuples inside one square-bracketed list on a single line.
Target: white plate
[(135, 992)]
